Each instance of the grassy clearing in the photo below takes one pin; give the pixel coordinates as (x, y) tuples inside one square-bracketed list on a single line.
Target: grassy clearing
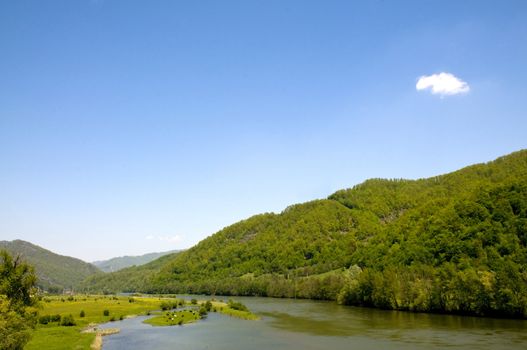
[(245, 315), (60, 338), (94, 307), (199, 310), (55, 336), (172, 318), (225, 308)]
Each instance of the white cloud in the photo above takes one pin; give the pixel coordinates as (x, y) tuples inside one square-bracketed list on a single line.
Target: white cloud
[(442, 84)]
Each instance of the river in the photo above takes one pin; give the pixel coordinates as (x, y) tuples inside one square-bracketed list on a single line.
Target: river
[(306, 324)]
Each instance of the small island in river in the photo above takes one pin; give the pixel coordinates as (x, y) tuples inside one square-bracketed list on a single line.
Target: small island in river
[(194, 311)]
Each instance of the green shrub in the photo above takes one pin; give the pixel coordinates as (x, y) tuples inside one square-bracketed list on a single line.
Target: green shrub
[(82, 314), (67, 321), (208, 305), (237, 306), (44, 319), (106, 312), (55, 318), (168, 305), (193, 301), (202, 312)]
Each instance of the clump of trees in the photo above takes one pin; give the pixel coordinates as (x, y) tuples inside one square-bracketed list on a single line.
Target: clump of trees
[(17, 290), (203, 312), (169, 305), (235, 305), (45, 319), (68, 321), (208, 306)]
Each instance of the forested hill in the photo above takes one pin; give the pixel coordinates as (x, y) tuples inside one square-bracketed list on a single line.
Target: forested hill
[(452, 243), (55, 272), (119, 263), (129, 279)]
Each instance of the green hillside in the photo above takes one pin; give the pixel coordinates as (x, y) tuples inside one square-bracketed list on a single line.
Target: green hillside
[(119, 263), (453, 243), (130, 279), (55, 272)]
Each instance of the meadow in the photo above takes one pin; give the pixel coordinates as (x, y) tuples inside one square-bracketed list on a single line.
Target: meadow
[(70, 322), (172, 318), (85, 311)]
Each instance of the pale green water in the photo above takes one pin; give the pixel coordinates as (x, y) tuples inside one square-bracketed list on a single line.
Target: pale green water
[(304, 324)]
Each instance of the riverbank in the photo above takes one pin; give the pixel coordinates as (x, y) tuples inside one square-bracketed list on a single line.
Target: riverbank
[(66, 323), (306, 324), (99, 333), (62, 319)]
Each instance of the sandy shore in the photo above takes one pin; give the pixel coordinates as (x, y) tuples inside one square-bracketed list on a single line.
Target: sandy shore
[(97, 342)]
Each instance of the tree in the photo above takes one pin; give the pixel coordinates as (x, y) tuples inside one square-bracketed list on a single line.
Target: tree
[(17, 290), (67, 321)]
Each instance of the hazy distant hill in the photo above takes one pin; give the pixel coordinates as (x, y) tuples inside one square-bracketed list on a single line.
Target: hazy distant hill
[(453, 243), (54, 271), (129, 279), (119, 263)]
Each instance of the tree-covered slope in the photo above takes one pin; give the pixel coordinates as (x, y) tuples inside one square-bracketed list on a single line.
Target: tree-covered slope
[(54, 272), (119, 263), (129, 279), (451, 243), (454, 243)]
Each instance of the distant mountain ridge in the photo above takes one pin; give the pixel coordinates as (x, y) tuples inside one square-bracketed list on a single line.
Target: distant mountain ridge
[(54, 272), (121, 262)]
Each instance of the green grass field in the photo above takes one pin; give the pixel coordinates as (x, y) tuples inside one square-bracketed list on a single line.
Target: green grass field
[(172, 318), (57, 337), (54, 336), (226, 310), (60, 338), (181, 317)]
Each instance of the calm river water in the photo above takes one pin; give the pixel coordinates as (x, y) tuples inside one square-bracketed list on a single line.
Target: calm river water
[(305, 324)]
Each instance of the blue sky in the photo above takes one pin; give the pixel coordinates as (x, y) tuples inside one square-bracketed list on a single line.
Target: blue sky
[(135, 126)]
